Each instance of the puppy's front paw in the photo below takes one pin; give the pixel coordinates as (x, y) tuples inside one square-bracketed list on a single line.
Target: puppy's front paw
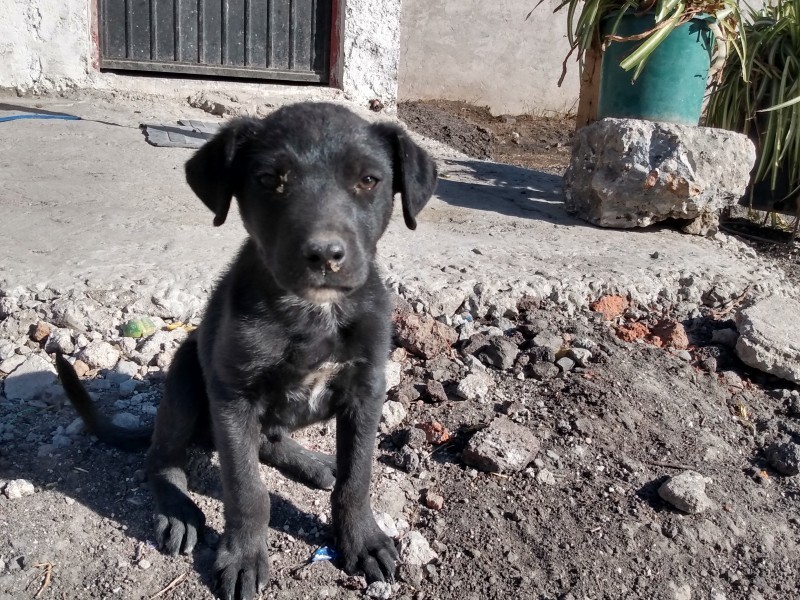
[(364, 547), (178, 524), (241, 569)]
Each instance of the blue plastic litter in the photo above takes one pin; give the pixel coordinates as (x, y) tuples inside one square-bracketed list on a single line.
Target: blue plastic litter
[(323, 553), (39, 116)]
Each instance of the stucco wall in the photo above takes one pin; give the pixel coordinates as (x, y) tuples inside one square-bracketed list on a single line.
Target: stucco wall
[(486, 53), (44, 44)]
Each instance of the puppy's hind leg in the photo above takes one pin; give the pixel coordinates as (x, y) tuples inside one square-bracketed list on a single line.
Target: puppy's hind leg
[(314, 469), (178, 520)]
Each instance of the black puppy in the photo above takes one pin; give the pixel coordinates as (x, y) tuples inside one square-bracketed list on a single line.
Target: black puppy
[(296, 332)]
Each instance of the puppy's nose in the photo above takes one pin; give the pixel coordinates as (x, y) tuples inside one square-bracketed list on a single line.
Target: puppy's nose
[(325, 253)]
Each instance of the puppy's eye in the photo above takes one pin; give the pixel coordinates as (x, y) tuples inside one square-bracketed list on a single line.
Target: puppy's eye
[(274, 181), (367, 183)]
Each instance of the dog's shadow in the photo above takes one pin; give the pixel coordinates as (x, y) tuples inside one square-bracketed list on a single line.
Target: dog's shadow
[(111, 483)]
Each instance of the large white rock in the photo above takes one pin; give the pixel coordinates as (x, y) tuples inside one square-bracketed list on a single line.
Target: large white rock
[(767, 337), (30, 379), (629, 173)]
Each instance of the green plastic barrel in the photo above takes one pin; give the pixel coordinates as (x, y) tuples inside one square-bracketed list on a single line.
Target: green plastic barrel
[(673, 82)]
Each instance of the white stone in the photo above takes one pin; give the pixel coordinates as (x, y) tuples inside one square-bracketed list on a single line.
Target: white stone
[(630, 173), (415, 550), (581, 356), (18, 488), (379, 589), (125, 420), (393, 374), (473, 387), (74, 428), (11, 363), (393, 414), (60, 340), (99, 355), (687, 492), (30, 379), (387, 524), (767, 338)]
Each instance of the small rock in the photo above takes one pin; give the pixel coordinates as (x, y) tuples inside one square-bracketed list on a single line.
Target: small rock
[(40, 331), (544, 371), (60, 340), (126, 420), (433, 500), (581, 356), (687, 492), (393, 414), (549, 340), (139, 327), (473, 387), (545, 477), (18, 488), (394, 374), (30, 379), (610, 306), (127, 368), (765, 341), (415, 550), (144, 564), (387, 525), (74, 428), (670, 333), (436, 391), (127, 388), (423, 335), (499, 353), (632, 331), (566, 364), (502, 446), (100, 355), (784, 458), (435, 432), (407, 459), (81, 368), (379, 589)]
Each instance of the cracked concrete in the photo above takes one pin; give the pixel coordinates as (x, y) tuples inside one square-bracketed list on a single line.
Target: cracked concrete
[(90, 204)]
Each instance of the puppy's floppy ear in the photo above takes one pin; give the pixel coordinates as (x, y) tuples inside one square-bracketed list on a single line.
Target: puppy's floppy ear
[(414, 175), (209, 171)]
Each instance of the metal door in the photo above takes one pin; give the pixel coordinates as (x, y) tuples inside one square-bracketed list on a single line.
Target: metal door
[(256, 39)]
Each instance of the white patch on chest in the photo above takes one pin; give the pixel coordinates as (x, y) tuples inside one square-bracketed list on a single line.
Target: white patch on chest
[(314, 385)]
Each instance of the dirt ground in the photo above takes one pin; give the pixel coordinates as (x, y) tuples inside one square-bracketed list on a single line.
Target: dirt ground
[(583, 521)]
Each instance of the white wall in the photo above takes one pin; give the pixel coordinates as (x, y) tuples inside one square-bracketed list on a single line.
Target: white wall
[(486, 53)]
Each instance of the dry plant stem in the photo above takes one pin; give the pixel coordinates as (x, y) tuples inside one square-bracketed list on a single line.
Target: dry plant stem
[(171, 585)]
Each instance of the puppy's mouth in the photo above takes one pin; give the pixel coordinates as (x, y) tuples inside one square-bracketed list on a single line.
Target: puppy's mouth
[(323, 294)]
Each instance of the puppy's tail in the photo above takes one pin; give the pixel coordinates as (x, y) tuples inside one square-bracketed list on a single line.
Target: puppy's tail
[(97, 423)]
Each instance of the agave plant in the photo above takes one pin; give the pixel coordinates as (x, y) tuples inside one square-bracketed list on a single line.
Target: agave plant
[(766, 103), (585, 25)]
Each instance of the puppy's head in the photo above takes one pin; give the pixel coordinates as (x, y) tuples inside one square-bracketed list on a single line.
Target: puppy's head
[(315, 185)]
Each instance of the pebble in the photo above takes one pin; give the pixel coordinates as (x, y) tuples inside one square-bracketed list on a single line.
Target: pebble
[(415, 550), (100, 355), (549, 340), (393, 414), (502, 446), (436, 391), (499, 353), (473, 387), (60, 340), (581, 356), (144, 564), (18, 488), (566, 364), (434, 501), (127, 388), (379, 589), (687, 492), (545, 477), (544, 371), (387, 524), (125, 420), (394, 373)]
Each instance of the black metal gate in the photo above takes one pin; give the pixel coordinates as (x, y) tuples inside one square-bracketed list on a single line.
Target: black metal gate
[(256, 39)]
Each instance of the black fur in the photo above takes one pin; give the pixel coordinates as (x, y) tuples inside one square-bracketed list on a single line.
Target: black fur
[(297, 331)]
